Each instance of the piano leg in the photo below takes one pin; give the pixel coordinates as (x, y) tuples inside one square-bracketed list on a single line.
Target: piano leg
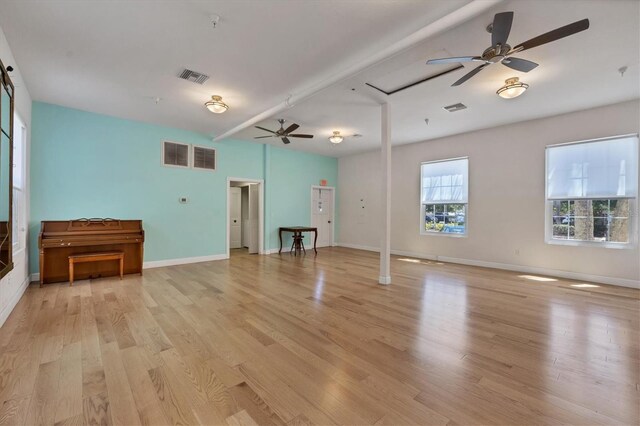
[(141, 257), (70, 272), (41, 267)]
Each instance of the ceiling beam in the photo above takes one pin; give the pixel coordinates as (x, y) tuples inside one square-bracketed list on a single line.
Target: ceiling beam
[(449, 21)]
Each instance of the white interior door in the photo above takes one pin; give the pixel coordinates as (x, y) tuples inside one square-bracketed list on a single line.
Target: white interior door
[(235, 218), (322, 215), (254, 212)]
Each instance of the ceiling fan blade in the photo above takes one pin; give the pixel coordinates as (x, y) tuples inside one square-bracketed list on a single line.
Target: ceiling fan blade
[(266, 130), (300, 135), (291, 128), (262, 137), (554, 35), (454, 60), (286, 140), (519, 64), (470, 74), (501, 28)]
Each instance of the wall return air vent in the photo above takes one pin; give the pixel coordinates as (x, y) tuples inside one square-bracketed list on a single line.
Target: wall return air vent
[(193, 76), (455, 107)]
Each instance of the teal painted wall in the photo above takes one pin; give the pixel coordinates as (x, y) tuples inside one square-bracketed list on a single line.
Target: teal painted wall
[(90, 165), (297, 172)]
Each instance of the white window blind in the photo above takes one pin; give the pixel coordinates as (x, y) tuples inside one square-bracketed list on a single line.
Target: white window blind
[(445, 181), (599, 169)]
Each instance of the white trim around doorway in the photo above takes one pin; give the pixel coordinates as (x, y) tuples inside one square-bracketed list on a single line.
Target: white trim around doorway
[(260, 182), (333, 206)]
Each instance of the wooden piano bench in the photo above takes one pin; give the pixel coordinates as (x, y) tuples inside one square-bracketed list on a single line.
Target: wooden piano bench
[(95, 257)]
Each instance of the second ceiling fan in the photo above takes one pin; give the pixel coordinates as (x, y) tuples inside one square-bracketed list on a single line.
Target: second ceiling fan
[(500, 51), (283, 133)]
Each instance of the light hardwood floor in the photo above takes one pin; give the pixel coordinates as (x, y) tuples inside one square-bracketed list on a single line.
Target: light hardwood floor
[(299, 340)]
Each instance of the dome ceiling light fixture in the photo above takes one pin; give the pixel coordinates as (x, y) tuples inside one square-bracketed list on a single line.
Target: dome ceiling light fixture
[(336, 138), (512, 88), (215, 105)]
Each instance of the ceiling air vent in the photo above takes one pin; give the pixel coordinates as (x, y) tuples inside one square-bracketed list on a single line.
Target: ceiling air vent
[(193, 76), (455, 107)]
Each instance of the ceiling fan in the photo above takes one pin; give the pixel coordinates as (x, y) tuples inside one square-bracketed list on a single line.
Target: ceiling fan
[(283, 133), (500, 51)]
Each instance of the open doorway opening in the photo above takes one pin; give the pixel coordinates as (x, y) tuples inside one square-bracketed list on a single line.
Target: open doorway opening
[(245, 213)]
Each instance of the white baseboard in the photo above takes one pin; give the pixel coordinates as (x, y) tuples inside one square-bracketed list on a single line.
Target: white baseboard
[(35, 277), (13, 301), (623, 282), (182, 261)]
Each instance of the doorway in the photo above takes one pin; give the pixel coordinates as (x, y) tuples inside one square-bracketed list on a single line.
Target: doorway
[(323, 213), (245, 216)]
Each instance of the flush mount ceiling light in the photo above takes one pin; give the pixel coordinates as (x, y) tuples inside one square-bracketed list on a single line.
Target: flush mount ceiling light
[(512, 88), (215, 105), (336, 138)]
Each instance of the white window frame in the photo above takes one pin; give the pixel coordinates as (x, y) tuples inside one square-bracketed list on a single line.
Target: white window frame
[(193, 158), (177, 166), (632, 242), (19, 240), (421, 205)]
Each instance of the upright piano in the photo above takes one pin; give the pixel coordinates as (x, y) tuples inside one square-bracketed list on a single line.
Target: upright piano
[(60, 238)]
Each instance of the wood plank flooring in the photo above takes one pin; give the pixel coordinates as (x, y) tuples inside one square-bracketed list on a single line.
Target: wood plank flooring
[(314, 340)]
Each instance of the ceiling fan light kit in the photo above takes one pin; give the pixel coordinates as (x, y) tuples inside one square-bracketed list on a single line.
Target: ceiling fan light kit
[(512, 88), (336, 138), (500, 51), (215, 105)]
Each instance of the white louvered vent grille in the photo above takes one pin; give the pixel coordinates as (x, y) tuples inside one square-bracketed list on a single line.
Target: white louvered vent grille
[(193, 76), (204, 158), (175, 154)]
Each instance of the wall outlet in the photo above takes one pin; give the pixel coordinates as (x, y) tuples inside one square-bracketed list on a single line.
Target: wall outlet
[(183, 200), (517, 252)]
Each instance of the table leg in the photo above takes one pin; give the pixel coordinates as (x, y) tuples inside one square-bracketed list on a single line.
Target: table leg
[(280, 235), (121, 267), (315, 240)]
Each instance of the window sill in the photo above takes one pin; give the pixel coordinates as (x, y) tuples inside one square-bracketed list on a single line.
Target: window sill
[(443, 234), (592, 244)]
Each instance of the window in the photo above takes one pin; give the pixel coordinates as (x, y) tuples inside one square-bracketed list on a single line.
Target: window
[(592, 192), (175, 154), (19, 214), (204, 158), (444, 192)]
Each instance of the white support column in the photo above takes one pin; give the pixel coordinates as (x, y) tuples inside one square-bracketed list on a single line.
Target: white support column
[(385, 241)]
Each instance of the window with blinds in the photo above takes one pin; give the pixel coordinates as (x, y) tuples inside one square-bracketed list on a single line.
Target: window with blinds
[(204, 158), (591, 192), (443, 196)]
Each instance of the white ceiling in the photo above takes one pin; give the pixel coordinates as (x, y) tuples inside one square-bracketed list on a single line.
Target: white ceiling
[(116, 57), (577, 72)]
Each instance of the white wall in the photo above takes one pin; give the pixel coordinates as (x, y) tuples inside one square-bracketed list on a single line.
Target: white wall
[(506, 198), (13, 285)]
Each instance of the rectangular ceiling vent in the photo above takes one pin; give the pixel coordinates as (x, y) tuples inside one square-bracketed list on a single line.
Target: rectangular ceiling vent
[(193, 76), (455, 107)]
